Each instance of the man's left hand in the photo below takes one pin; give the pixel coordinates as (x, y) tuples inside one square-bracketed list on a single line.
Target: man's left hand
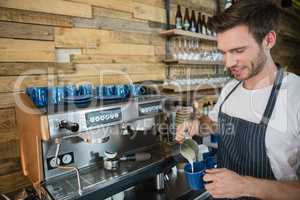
[(224, 183)]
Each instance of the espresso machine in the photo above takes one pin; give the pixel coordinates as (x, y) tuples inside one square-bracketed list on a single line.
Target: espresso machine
[(77, 152)]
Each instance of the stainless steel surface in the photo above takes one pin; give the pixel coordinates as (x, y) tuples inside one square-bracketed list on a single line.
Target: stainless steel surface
[(84, 135), (142, 125), (130, 111), (100, 130), (159, 181), (111, 164), (175, 189), (95, 177)]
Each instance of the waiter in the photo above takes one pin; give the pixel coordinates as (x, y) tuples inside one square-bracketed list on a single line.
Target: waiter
[(257, 114)]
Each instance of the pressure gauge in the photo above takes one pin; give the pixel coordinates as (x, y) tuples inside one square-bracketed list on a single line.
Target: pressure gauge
[(54, 163), (66, 159)]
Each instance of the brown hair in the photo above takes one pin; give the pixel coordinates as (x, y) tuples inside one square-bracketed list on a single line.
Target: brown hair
[(261, 17)]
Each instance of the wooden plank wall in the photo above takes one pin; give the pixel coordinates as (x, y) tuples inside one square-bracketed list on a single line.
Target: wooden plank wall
[(117, 40), (286, 50)]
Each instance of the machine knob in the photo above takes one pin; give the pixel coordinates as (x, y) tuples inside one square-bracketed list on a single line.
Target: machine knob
[(74, 127)]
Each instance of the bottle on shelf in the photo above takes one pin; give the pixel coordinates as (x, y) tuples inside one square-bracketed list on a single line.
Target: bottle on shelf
[(203, 25), (199, 23), (208, 32), (186, 20), (193, 22), (212, 33), (178, 19), (228, 3)]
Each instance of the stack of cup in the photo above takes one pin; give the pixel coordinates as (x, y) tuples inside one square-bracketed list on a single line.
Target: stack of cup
[(184, 114)]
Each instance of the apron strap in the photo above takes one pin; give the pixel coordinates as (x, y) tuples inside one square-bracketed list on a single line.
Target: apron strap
[(220, 108), (273, 97)]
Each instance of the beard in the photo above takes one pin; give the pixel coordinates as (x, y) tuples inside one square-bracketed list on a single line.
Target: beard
[(256, 66)]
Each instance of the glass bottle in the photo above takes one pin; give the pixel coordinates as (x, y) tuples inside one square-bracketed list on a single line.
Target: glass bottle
[(193, 22), (178, 19), (186, 21)]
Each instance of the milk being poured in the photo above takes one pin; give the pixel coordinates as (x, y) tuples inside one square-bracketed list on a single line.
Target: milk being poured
[(189, 150)]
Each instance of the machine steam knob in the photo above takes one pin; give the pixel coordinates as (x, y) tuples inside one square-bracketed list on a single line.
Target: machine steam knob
[(71, 126)]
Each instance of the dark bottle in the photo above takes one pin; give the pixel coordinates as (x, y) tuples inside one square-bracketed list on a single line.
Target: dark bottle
[(209, 30), (193, 22), (178, 19), (186, 20), (204, 29), (199, 23)]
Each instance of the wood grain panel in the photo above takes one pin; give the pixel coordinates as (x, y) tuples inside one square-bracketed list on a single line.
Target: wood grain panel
[(9, 149), (109, 23), (122, 5), (7, 136), (7, 100), (100, 59), (155, 3), (122, 49), (19, 83), (12, 50), (147, 12), (53, 7), (131, 69), (91, 38), (9, 165), (7, 119), (113, 79), (110, 13), (29, 17), (26, 31), (206, 6), (13, 181), (35, 68)]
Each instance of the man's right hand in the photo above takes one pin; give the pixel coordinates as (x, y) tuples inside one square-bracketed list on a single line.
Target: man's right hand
[(203, 126), (191, 127)]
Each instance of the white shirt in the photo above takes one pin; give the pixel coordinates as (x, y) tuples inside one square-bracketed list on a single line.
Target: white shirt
[(283, 132)]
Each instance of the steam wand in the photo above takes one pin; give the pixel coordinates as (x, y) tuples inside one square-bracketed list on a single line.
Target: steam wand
[(58, 143)]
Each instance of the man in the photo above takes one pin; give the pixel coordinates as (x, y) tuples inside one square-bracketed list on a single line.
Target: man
[(258, 113)]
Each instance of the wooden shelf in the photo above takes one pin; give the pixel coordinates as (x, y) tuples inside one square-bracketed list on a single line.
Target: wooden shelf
[(192, 62), (187, 88), (176, 32)]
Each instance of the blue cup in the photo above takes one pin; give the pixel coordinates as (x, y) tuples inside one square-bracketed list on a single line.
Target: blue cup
[(207, 155), (39, 95), (136, 90), (122, 91), (70, 91), (109, 90), (215, 138), (56, 95), (195, 179), (85, 89), (211, 162), (29, 92)]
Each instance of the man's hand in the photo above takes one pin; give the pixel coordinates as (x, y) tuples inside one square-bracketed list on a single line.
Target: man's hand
[(192, 128), (225, 183)]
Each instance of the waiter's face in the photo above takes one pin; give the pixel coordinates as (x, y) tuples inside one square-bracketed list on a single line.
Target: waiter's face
[(243, 56)]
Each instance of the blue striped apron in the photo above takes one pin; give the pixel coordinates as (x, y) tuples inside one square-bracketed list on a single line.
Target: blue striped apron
[(242, 145)]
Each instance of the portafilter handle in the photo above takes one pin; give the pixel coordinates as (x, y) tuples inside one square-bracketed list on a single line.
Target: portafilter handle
[(71, 126)]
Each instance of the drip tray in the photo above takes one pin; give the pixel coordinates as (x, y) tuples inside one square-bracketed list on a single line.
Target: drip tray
[(98, 183)]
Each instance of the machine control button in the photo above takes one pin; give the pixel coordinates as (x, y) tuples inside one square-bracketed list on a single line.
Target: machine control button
[(67, 159)]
